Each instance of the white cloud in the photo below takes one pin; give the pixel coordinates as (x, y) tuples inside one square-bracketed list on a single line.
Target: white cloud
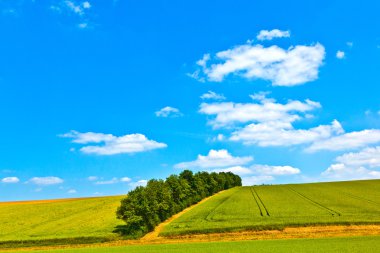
[(86, 5), (114, 180), (92, 178), (76, 8), (270, 123), (256, 180), (215, 159), (283, 134), (83, 25), (275, 33), (275, 170), (359, 165), (112, 145), (46, 180), (142, 182), (340, 54), (212, 95), (219, 137), (238, 170), (197, 76), (10, 180), (369, 157), (125, 179), (283, 67), (352, 140), (168, 112), (266, 110), (72, 191), (342, 171)]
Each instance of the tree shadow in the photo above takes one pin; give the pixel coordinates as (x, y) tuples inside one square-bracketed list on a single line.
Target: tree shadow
[(121, 230)]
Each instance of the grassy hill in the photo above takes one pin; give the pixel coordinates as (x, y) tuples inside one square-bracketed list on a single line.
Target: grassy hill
[(55, 219), (277, 206)]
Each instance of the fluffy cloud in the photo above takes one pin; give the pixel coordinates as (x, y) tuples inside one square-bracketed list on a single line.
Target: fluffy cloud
[(359, 165), (270, 123), (340, 54), (239, 170), (142, 182), (257, 180), (367, 157), (275, 170), (265, 110), (342, 171), (347, 141), (114, 180), (10, 180), (275, 33), (72, 191), (168, 112), (46, 180), (112, 145), (283, 67), (77, 8), (215, 159), (125, 179), (283, 134), (213, 95), (92, 178)]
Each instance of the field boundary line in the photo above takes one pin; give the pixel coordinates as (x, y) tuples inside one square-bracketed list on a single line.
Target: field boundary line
[(262, 202), (157, 230), (257, 203), (331, 211)]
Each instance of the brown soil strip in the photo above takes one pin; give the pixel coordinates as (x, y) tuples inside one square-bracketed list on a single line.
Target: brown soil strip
[(287, 233)]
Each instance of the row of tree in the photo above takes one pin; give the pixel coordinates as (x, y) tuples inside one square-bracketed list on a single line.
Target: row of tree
[(145, 207)]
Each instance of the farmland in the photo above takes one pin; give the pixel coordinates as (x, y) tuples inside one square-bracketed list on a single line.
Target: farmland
[(55, 219), (279, 206), (349, 244), (257, 208)]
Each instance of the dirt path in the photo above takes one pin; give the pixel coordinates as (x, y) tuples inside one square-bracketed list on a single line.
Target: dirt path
[(154, 235)]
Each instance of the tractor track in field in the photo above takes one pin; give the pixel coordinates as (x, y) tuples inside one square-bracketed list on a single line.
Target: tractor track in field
[(331, 211), (209, 215), (360, 198), (257, 203), (254, 194)]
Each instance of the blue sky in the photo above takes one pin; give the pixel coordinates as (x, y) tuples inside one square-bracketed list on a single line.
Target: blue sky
[(98, 96)]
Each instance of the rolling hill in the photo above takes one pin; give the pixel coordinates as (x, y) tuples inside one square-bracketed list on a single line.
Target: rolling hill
[(55, 219), (278, 206)]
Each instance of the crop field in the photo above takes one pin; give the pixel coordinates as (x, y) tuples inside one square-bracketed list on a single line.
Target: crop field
[(54, 219), (278, 206), (351, 244)]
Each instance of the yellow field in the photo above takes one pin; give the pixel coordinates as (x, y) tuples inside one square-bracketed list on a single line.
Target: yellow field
[(65, 218)]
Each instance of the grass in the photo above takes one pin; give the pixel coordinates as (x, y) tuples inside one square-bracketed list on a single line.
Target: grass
[(59, 221), (351, 244), (278, 206)]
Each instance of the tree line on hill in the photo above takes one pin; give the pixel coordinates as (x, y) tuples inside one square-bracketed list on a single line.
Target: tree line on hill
[(145, 207)]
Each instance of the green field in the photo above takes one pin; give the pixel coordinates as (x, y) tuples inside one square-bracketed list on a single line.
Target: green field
[(352, 244), (72, 218), (278, 206)]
